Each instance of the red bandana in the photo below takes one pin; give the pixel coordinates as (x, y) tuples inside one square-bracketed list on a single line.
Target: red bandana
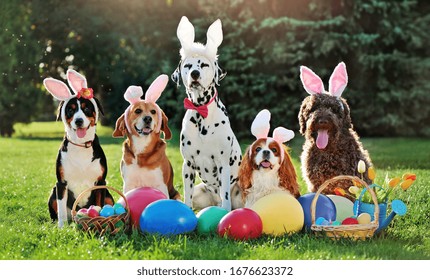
[(86, 93), (202, 110)]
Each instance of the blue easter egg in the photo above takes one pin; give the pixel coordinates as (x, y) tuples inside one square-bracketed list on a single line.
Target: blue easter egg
[(107, 211), (324, 208), (167, 217)]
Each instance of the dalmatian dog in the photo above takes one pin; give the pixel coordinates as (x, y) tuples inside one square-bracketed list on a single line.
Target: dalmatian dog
[(208, 145)]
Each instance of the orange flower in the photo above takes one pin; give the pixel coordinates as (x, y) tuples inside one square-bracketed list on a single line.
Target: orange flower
[(393, 182), (406, 184), (339, 191), (371, 173), (409, 176)]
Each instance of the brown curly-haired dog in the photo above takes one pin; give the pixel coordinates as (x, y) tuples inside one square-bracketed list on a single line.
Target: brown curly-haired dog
[(331, 147)]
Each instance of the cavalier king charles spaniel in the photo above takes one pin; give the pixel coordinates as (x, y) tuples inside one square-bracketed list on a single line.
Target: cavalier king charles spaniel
[(266, 166)]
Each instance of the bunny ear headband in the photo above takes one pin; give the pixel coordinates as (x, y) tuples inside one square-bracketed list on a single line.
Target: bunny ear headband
[(185, 33), (260, 129), (133, 94), (77, 82), (314, 85)]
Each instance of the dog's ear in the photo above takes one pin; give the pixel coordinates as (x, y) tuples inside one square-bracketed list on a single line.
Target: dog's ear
[(120, 129), (60, 107), (287, 174), (245, 171), (346, 114), (176, 75), (303, 115), (99, 106), (219, 73), (165, 127)]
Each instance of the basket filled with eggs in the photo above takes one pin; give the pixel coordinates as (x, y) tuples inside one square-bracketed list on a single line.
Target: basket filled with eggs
[(106, 220), (359, 228)]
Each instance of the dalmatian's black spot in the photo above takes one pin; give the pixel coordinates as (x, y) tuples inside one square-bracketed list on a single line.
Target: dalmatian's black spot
[(204, 131), (212, 157), (191, 176), (188, 163), (198, 151), (186, 176), (228, 138), (216, 124), (193, 120), (182, 137), (222, 152), (188, 142), (223, 122), (220, 170), (206, 170), (216, 191), (226, 195)]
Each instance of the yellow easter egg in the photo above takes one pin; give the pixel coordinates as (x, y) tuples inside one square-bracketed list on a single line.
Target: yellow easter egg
[(364, 218)]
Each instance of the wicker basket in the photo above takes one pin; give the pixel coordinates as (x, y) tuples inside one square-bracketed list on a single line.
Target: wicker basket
[(103, 225), (354, 232)]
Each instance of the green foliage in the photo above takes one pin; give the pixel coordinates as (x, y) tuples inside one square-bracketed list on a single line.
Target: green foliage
[(28, 175), (130, 42)]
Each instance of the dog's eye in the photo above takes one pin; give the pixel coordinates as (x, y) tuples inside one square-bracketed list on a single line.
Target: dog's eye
[(87, 111), (204, 65), (137, 111), (188, 66), (70, 111), (258, 149), (274, 150), (153, 112)]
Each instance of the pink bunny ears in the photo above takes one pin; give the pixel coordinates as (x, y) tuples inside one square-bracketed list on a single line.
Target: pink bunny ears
[(133, 95), (261, 125), (314, 85), (77, 83), (260, 129), (185, 33)]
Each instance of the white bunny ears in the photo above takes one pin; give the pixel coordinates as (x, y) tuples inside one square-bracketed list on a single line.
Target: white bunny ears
[(261, 125), (185, 33), (314, 85), (133, 94), (78, 84)]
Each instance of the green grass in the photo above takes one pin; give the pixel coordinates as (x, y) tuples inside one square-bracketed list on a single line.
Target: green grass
[(27, 174)]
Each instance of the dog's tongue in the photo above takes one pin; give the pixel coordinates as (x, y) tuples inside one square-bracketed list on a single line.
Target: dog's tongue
[(265, 164), (322, 139), (81, 132)]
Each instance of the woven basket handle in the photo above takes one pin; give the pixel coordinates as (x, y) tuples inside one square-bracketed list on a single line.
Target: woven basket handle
[(96, 188), (344, 177)]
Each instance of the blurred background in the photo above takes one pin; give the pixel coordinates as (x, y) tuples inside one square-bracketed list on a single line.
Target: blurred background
[(118, 43)]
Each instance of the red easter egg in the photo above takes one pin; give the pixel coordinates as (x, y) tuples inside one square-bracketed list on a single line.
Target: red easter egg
[(92, 212), (138, 199), (350, 221), (241, 224)]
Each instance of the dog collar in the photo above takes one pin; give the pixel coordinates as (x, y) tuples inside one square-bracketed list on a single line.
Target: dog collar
[(203, 109), (86, 145)]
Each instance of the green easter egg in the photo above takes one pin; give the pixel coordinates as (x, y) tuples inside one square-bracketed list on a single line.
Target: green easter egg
[(208, 219)]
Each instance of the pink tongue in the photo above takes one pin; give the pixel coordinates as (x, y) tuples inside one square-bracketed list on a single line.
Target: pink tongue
[(322, 139), (81, 132), (265, 164)]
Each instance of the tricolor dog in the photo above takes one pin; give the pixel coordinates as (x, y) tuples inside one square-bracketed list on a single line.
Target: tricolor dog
[(266, 165), (144, 161), (81, 162), (208, 144)]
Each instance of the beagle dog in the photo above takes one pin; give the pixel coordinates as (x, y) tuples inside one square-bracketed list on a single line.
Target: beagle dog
[(144, 162)]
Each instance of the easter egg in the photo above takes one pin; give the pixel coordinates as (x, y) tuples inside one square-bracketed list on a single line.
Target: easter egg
[(95, 207), (335, 223), (240, 224), (167, 217), (118, 208), (350, 221), (83, 212), (107, 211), (280, 213), (321, 221), (364, 218), (92, 213), (138, 199), (209, 218), (324, 208), (344, 207)]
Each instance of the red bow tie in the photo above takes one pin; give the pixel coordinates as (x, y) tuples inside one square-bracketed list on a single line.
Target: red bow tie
[(202, 110)]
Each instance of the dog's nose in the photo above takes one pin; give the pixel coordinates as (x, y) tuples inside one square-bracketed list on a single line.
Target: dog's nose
[(147, 119), (266, 154), (79, 122), (195, 74)]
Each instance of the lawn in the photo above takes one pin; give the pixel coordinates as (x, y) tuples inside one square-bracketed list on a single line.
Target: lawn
[(27, 174)]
